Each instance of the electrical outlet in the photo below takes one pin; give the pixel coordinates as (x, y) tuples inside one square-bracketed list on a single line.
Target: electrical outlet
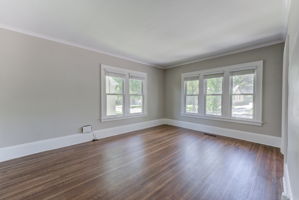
[(87, 129)]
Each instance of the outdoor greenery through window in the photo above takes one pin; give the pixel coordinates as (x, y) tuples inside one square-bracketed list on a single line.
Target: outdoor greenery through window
[(136, 96), (114, 95), (226, 93), (123, 93), (213, 95), (192, 92)]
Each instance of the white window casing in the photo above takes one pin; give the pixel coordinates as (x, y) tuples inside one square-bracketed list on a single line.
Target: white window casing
[(192, 95), (215, 94), (227, 73), (126, 75)]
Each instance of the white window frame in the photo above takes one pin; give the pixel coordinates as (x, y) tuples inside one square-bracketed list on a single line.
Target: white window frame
[(253, 95), (185, 94), (205, 96), (257, 66), (127, 74)]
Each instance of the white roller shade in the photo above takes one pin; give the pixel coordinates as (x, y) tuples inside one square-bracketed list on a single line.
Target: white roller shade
[(213, 75), (191, 78), (136, 77), (243, 72), (109, 73)]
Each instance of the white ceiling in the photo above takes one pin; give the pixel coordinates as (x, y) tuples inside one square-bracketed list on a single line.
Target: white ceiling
[(158, 32)]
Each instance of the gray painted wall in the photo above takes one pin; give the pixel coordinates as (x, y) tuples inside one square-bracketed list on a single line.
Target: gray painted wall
[(293, 103), (50, 90), (272, 81)]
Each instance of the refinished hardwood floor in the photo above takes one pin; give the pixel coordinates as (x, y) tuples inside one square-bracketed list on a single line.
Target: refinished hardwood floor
[(160, 163)]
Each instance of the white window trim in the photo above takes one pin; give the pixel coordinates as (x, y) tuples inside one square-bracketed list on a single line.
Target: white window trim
[(126, 113), (205, 95), (226, 93)]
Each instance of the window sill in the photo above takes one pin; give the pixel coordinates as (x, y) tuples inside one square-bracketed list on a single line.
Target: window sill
[(219, 118), (122, 117)]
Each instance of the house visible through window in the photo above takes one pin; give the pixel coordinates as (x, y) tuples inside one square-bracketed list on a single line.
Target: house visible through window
[(123, 93), (232, 93), (243, 94)]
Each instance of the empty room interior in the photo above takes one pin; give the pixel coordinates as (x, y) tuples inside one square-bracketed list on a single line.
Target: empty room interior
[(149, 100)]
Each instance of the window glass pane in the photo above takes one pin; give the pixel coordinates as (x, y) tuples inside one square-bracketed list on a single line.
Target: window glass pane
[(114, 105), (114, 85), (135, 86), (135, 104), (214, 85), (192, 87), (213, 104), (243, 84), (192, 104), (242, 106)]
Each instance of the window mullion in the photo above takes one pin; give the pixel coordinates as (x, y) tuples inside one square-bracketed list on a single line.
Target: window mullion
[(201, 96), (226, 95), (142, 96), (104, 96), (258, 91), (185, 97), (126, 96)]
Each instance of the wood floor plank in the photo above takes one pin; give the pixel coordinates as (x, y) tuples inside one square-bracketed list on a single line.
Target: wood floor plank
[(163, 162)]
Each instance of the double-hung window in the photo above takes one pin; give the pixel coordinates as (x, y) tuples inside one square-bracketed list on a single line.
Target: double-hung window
[(191, 85), (114, 94), (242, 94), (123, 93), (231, 93), (136, 94), (213, 94)]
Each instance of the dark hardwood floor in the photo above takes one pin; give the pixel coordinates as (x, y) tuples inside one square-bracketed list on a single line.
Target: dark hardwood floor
[(160, 163)]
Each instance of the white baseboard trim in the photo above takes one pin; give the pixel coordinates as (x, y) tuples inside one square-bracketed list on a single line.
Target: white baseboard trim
[(17, 151), (287, 189), (242, 135), (109, 132)]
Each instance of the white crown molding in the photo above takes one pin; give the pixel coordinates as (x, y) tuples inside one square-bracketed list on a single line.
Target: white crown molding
[(227, 53), (53, 39), (232, 133), (49, 38)]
